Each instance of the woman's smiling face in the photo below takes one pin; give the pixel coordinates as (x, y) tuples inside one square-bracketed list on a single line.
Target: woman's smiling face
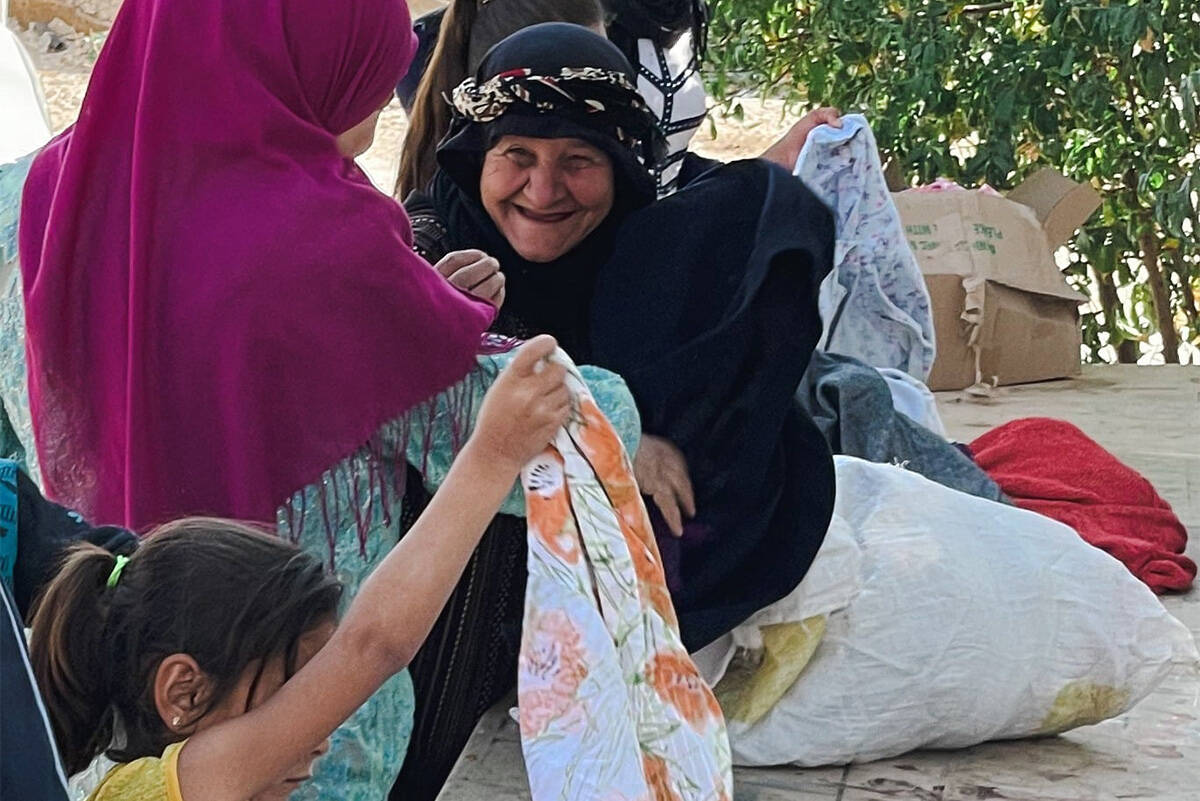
[(546, 195)]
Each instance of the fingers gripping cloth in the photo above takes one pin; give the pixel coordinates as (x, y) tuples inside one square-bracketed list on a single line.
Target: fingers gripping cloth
[(611, 705)]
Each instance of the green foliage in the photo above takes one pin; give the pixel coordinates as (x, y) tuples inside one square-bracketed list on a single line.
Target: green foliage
[(1106, 91)]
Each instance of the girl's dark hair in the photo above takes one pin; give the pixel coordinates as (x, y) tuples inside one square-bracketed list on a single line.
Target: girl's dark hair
[(224, 593), (468, 31)]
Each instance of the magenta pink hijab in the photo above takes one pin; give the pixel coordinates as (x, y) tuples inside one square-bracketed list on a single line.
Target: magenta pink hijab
[(220, 307)]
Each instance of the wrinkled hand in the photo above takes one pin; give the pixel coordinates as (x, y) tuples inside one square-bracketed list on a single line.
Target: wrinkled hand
[(787, 149), (662, 473), (476, 272), (524, 408)]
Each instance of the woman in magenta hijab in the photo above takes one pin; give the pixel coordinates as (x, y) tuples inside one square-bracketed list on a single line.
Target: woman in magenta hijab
[(224, 316), (236, 289)]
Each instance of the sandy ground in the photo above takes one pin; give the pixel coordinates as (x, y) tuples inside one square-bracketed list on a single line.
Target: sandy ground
[(64, 60)]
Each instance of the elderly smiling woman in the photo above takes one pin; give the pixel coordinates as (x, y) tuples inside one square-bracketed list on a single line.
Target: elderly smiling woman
[(540, 194), (705, 302)]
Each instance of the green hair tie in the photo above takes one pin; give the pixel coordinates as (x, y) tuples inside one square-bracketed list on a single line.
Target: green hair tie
[(115, 575)]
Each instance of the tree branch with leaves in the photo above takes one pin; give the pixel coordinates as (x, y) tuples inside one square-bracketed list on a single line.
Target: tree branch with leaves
[(1106, 92)]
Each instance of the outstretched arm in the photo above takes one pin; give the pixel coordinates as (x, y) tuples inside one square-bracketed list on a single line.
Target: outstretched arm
[(398, 604)]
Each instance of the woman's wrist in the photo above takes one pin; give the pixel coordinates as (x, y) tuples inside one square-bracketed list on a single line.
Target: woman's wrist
[(486, 464), (782, 153)]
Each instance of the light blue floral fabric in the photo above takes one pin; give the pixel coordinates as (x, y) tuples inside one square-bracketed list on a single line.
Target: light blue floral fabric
[(609, 390), (16, 422), (8, 521), (874, 304)]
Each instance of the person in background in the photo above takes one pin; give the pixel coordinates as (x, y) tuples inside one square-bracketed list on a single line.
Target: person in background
[(215, 651), (29, 762), (665, 41), (34, 532), (426, 29)]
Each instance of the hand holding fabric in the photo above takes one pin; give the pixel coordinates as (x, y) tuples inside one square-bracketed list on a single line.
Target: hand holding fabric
[(524, 409), (662, 473), (786, 151), (475, 272)]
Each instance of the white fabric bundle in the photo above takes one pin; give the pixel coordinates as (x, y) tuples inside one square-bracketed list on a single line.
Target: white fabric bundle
[(960, 620)]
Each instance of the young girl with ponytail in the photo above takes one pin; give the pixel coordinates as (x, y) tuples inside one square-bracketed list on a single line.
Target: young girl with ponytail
[(209, 663)]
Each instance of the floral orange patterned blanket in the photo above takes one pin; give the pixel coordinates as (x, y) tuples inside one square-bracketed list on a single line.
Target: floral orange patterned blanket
[(611, 706)]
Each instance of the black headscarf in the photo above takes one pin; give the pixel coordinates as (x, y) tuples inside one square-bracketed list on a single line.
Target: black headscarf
[(552, 80)]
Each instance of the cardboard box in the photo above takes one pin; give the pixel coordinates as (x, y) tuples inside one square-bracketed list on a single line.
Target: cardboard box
[(1003, 313)]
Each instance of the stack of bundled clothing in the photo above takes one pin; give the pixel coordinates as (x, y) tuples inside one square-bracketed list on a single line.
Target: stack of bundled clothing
[(878, 340)]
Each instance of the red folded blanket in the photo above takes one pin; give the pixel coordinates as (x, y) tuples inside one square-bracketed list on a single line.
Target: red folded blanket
[(1053, 468)]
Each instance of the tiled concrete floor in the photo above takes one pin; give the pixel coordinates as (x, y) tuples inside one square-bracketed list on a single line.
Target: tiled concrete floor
[(1149, 417)]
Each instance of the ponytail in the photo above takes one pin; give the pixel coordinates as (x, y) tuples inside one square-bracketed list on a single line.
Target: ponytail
[(469, 29), (430, 119), (69, 657), (225, 594)]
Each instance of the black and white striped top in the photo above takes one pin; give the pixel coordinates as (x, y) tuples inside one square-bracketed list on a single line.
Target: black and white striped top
[(669, 80)]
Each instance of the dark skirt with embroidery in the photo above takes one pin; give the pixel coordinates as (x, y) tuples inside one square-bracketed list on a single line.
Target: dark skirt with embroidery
[(469, 661)]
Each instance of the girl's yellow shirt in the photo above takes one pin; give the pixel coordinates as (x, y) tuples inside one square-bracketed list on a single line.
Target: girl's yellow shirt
[(145, 779)]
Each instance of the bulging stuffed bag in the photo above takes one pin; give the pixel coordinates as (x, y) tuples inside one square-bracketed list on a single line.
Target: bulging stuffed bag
[(965, 620)]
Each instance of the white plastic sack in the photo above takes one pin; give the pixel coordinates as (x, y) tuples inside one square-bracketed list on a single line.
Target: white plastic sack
[(974, 621), (832, 581)]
